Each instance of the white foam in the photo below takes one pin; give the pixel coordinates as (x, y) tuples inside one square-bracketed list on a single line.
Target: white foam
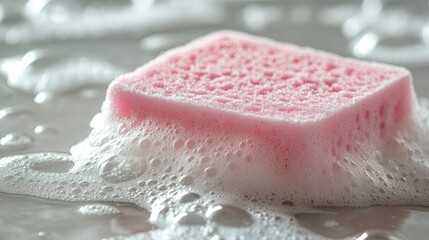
[(240, 166), (155, 165)]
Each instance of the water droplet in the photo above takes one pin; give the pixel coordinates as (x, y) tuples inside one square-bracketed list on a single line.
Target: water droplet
[(151, 182), (42, 234), (16, 141), (43, 97), (122, 128), (186, 180), (229, 215), (14, 113), (45, 131), (98, 210), (187, 197), (107, 189), (162, 187), (155, 162), (38, 60), (58, 164), (119, 168), (141, 183), (76, 191), (190, 219)]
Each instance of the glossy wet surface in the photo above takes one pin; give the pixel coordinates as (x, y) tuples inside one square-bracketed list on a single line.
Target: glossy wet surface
[(57, 58), (33, 218)]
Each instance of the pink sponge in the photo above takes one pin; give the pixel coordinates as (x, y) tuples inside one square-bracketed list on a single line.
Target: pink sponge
[(303, 103)]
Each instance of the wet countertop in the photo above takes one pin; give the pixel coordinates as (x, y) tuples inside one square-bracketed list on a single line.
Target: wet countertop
[(57, 58)]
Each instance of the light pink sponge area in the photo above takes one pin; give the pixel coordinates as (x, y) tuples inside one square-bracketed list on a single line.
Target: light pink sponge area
[(302, 102)]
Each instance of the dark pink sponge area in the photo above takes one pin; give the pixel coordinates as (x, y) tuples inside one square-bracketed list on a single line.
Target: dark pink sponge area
[(295, 98)]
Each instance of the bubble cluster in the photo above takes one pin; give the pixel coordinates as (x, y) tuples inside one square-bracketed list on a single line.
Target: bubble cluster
[(218, 182), (228, 215), (118, 168), (42, 71), (98, 210), (16, 141)]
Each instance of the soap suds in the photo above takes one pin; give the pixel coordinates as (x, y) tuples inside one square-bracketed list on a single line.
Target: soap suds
[(186, 177)]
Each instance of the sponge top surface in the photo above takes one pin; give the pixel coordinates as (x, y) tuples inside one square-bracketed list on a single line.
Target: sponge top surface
[(256, 77)]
